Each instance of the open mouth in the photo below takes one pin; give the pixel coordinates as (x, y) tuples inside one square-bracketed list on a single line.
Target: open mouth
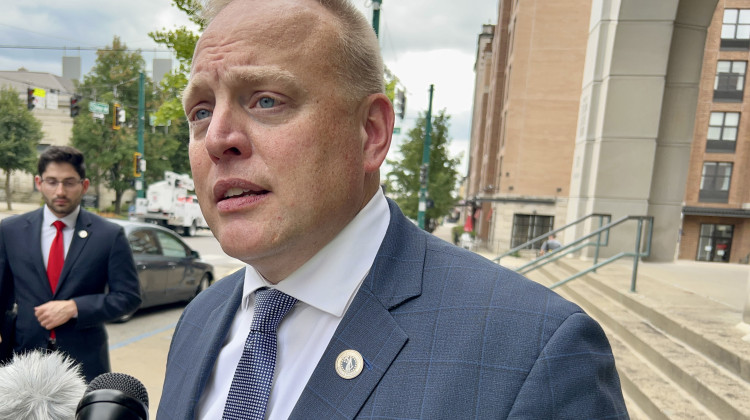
[(240, 192)]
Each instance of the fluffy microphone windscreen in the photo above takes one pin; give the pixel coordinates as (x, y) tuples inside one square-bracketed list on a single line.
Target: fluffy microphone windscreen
[(39, 385)]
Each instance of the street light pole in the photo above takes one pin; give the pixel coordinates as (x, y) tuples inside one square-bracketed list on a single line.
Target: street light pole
[(141, 122), (424, 169), (376, 16)]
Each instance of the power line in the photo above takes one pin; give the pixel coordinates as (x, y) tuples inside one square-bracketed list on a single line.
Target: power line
[(35, 32), (36, 47)]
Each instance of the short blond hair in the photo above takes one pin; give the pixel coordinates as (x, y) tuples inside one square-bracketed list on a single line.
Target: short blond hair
[(360, 63)]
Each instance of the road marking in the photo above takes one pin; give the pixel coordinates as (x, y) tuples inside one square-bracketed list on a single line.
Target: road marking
[(141, 337)]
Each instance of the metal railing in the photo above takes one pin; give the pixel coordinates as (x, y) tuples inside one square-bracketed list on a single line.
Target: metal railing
[(541, 238), (587, 241)]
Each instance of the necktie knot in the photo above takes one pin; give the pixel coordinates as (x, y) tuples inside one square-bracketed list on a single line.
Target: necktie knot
[(59, 225), (271, 306)]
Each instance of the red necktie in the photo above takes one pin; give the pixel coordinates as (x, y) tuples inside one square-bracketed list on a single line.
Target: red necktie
[(56, 260), (56, 256)]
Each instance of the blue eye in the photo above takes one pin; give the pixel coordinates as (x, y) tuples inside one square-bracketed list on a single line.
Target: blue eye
[(202, 113), (266, 102)]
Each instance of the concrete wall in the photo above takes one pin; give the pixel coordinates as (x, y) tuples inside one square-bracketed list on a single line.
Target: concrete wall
[(638, 102)]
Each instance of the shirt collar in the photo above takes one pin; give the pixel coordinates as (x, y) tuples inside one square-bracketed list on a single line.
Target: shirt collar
[(69, 220), (329, 280)]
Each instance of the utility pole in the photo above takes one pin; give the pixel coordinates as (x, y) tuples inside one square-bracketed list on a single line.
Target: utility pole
[(376, 16), (424, 169), (141, 123)]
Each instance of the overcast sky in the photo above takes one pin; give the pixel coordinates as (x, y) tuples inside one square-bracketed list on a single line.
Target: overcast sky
[(423, 42)]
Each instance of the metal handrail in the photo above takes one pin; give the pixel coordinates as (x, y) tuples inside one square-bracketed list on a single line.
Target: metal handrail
[(582, 242), (601, 217)]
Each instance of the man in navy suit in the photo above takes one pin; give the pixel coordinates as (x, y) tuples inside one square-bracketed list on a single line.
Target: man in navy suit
[(288, 128), (96, 279)]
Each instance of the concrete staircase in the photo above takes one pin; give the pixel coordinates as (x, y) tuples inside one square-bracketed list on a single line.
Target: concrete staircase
[(679, 355)]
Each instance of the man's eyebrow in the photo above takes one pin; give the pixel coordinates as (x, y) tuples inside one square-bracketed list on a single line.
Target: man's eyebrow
[(244, 75)]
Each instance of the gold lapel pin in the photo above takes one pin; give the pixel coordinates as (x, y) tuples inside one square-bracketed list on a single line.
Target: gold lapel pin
[(349, 364), (83, 234)]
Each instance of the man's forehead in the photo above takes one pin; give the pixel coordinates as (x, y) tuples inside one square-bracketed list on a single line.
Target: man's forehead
[(270, 15)]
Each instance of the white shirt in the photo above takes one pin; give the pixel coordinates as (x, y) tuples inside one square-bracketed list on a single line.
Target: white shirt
[(324, 287), (49, 231)]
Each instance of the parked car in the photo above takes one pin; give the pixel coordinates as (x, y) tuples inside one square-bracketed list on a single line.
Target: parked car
[(168, 269)]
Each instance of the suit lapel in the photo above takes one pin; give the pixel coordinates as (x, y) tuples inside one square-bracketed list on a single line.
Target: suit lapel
[(77, 244), (212, 337), (34, 225), (368, 326)]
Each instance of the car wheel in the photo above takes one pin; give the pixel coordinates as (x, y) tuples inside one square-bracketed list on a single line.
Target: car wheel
[(124, 318), (203, 285), (190, 230)]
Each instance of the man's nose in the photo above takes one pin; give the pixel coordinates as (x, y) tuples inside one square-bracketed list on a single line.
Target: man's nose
[(228, 134)]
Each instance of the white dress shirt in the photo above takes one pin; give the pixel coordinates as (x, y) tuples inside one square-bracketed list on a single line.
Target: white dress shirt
[(324, 287), (49, 231)]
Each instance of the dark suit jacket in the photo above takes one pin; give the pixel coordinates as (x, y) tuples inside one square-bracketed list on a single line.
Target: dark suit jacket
[(99, 275), (445, 334)]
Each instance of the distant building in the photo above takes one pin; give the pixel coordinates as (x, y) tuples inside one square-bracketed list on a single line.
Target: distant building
[(590, 106), (52, 108)]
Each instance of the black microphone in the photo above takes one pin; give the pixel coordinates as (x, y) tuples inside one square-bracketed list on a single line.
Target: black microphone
[(114, 396)]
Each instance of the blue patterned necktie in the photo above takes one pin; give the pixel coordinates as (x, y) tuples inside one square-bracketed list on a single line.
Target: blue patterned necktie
[(251, 385)]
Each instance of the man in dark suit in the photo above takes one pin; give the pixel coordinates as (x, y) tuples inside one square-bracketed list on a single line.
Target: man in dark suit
[(62, 284), (346, 309)]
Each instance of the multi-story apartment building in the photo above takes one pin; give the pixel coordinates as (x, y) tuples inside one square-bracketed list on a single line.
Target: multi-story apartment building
[(716, 215), (593, 106)]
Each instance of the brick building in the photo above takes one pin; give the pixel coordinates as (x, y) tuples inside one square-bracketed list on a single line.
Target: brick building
[(716, 216)]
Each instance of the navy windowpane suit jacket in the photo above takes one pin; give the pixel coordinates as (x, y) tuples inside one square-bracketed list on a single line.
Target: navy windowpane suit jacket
[(444, 333)]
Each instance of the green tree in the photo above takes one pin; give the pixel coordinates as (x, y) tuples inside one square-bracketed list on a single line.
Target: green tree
[(174, 149), (109, 152), (20, 133), (403, 179)]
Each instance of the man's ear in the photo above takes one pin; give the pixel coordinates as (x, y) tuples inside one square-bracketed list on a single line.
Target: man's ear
[(378, 127)]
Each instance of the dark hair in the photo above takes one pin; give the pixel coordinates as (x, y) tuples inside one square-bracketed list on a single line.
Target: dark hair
[(62, 154)]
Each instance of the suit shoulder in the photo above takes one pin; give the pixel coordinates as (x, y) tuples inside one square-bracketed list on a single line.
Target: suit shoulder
[(97, 222), (466, 270), (219, 292), (21, 218)]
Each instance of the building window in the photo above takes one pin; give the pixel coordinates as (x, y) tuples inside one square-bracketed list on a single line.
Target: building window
[(735, 29), (527, 227), (715, 182), (729, 83), (722, 132), (715, 243)]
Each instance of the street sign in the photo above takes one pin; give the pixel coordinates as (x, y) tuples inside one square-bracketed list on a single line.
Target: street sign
[(99, 107)]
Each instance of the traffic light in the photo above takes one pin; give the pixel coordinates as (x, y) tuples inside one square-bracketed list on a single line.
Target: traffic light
[(401, 104), (137, 164), (75, 106), (118, 116), (30, 103)]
